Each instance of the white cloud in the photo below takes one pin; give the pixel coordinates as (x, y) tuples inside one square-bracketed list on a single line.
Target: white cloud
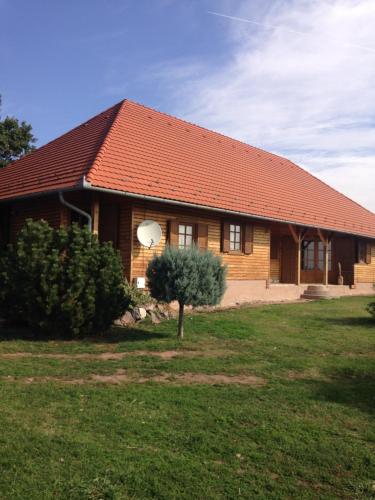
[(309, 96)]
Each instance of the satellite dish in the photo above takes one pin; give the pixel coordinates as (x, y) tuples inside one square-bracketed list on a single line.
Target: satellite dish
[(149, 233)]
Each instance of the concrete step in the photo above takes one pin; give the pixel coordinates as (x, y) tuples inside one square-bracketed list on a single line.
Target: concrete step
[(317, 292)]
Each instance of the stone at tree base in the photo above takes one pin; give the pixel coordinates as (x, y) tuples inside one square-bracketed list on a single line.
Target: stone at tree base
[(154, 319), (139, 313), (127, 319)]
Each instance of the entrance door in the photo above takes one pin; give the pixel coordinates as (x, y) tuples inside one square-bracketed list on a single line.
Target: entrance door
[(312, 261)]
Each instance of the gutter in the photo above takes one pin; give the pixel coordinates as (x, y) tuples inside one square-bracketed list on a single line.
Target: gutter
[(77, 210), (87, 185)]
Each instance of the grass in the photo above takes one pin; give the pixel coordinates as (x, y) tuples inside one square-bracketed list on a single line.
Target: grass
[(307, 432)]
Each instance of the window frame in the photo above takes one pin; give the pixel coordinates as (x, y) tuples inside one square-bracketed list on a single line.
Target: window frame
[(361, 248), (306, 255), (194, 236), (240, 243), (314, 255)]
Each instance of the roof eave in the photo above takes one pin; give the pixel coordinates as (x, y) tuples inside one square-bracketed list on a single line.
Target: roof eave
[(88, 185)]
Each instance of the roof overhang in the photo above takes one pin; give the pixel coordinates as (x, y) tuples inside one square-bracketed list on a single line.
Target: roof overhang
[(87, 185)]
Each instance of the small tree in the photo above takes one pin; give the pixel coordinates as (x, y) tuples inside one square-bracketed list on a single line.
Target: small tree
[(189, 276), (16, 139)]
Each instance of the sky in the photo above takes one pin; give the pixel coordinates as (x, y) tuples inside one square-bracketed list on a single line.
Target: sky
[(295, 77)]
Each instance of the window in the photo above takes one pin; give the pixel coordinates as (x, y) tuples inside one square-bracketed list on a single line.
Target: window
[(361, 252), (234, 237), (308, 255), (237, 238), (185, 235), (313, 256), (321, 256)]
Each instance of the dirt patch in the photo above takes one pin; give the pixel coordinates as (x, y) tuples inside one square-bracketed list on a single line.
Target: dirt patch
[(180, 378), (310, 374), (124, 377), (115, 356)]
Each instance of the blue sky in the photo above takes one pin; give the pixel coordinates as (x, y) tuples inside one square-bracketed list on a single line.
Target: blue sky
[(63, 61), (295, 77)]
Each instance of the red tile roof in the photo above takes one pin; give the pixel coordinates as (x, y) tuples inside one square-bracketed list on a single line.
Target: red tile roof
[(59, 164), (134, 149)]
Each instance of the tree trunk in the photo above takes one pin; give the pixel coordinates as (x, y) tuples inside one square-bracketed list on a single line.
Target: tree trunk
[(180, 333)]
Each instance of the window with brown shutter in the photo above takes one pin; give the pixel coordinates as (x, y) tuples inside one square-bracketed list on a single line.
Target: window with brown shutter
[(183, 234), (236, 238)]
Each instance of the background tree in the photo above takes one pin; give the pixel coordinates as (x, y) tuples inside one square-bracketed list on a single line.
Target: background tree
[(187, 275), (16, 139)]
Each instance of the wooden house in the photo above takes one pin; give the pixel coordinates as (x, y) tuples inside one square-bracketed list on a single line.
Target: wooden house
[(276, 226)]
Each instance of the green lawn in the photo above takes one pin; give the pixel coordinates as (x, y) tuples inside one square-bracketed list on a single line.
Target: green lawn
[(291, 415)]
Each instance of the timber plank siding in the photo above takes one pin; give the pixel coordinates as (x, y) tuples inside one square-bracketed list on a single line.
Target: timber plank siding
[(120, 216), (241, 266), (365, 273), (48, 209)]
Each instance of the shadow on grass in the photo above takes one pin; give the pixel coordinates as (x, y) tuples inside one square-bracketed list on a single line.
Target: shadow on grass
[(354, 389), (350, 321), (114, 335)]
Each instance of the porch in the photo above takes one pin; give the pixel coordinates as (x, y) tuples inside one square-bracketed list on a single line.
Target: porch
[(312, 256), (255, 291)]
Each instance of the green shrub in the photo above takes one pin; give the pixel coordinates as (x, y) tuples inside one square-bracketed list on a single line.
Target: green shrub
[(135, 297), (371, 309), (189, 276), (62, 281)]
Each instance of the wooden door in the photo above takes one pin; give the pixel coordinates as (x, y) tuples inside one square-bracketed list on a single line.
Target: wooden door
[(288, 260)]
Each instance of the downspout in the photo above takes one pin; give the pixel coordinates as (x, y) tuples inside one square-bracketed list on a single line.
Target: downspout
[(76, 209)]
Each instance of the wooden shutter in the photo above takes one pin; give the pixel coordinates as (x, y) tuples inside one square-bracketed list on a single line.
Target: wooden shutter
[(173, 233), (248, 239), (225, 237), (202, 236), (368, 253)]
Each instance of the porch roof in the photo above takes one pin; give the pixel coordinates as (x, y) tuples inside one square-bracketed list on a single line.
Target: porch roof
[(133, 149)]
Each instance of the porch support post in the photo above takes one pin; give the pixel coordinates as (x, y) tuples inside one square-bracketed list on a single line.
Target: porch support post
[(325, 239), (95, 215), (298, 236)]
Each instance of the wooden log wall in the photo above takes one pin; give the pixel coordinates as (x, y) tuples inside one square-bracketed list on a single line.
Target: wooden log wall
[(47, 208), (365, 273), (254, 266)]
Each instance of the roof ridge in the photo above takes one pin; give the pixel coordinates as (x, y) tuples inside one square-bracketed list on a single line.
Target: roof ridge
[(101, 150)]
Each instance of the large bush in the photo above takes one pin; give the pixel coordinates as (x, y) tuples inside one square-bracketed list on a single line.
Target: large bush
[(61, 281), (189, 276)]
